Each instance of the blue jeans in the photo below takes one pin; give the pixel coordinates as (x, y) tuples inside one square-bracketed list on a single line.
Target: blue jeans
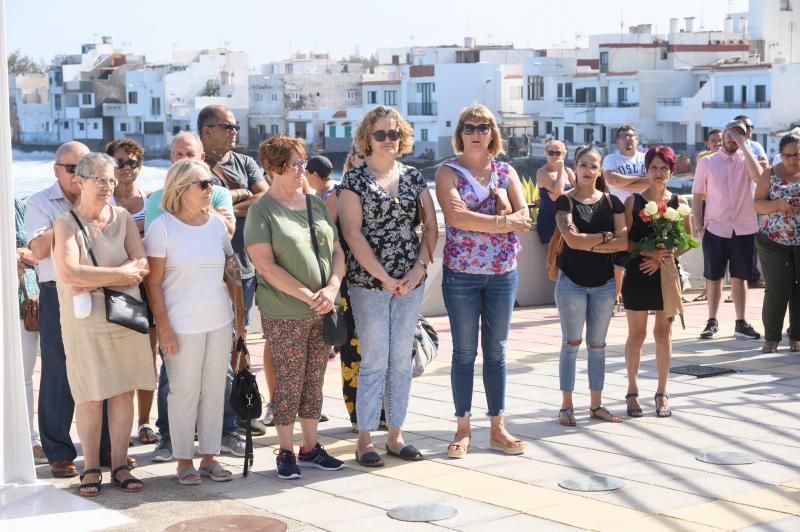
[(578, 305), (488, 299), (386, 325), (162, 423), (56, 406), (249, 296)]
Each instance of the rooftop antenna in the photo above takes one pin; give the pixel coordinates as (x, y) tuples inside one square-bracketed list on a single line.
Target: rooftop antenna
[(621, 26)]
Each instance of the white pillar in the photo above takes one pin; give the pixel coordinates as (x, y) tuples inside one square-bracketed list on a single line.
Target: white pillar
[(16, 458), (691, 134)]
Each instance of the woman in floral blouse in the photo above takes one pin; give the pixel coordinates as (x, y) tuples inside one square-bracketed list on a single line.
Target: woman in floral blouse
[(480, 268), (378, 206), (777, 197)]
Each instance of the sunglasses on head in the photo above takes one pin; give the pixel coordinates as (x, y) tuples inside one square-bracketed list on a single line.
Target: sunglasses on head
[(204, 184), (554, 153), (70, 168), (130, 163), (226, 126), (470, 129), (381, 135)]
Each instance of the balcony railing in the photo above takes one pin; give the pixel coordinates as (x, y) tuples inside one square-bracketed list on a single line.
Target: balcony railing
[(669, 102), (582, 104), (737, 105), (422, 109), (618, 104)]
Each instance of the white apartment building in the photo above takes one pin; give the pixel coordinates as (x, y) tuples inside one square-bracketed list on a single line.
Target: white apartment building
[(267, 114), (31, 122)]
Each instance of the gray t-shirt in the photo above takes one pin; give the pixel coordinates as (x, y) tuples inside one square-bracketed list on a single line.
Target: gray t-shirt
[(241, 171)]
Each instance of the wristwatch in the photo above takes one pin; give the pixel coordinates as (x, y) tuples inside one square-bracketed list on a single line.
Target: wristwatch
[(607, 235)]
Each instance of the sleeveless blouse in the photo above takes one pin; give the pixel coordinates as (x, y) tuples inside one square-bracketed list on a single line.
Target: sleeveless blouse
[(782, 227), (476, 252)]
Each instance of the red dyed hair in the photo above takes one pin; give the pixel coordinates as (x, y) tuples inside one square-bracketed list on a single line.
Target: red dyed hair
[(665, 153)]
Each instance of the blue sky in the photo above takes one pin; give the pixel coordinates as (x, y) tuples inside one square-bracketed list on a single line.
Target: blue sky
[(269, 30)]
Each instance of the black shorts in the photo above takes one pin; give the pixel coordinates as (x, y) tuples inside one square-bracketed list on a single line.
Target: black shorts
[(718, 252)]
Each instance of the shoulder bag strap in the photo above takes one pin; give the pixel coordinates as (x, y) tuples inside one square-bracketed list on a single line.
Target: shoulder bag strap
[(314, 239), (85, 237)]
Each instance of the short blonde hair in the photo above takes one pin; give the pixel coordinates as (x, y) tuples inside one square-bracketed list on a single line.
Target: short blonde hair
[(179, 178), (361, 141), (476, 113), (561, 145)]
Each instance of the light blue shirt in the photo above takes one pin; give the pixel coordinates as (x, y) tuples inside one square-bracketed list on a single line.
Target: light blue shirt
[(41, 212), (757, 149), (220, 199)]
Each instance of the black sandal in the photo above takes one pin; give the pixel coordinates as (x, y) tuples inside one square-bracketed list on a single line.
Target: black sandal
[(614, 419), (662, 411), (409, 453), (633, 412), (125, 485), (97, 485)]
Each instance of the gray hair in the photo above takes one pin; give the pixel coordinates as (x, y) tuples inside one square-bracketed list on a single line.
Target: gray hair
[(191, 134), (89, 163), (70, 147)]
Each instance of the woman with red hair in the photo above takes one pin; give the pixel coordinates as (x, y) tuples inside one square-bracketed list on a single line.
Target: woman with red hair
[(641, 290)]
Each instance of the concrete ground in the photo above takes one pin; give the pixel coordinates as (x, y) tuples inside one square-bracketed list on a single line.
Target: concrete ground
[(755, 410)]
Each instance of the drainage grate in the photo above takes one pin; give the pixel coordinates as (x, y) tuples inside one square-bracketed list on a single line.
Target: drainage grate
[(702, 372)]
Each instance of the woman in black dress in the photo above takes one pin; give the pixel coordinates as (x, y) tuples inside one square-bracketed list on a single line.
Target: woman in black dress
[(641, 290)]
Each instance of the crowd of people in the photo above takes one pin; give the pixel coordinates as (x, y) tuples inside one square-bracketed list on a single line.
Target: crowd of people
[(227, 232)]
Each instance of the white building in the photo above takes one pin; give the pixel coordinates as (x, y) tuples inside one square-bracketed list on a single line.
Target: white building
[(267, 114), (31, 121)]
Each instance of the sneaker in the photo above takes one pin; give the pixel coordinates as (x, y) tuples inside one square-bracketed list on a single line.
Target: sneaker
[(287, 465), (319, 458), (233, 443), (745, 330), (268, 416), (257, 427), (38, 455), (711, 330), (163, 450)]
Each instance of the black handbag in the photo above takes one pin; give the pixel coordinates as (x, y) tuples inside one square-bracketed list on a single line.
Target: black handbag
[(245, 400), (334, 326), (121, 309)]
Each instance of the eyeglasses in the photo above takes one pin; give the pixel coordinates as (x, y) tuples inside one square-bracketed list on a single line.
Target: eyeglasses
[(626, 136), (470, 129), (70, 168), (101, 181), (204, 184), (130, 163), (587, 166), (554, 153), (298, 165), (748, 126), (226, 126), (794, 155), (381, 135)]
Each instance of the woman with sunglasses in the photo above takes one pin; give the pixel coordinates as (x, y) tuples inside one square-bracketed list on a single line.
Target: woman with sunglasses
[(553, 179), (293, 299), (105, 361), (777, 197), (354, 158), (129, 156), (479, 281), (194, 277), (592, 223), (378, 209)]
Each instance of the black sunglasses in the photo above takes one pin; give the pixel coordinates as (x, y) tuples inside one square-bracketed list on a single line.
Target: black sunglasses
[(554, 153), (470, 129), (204, 184), (382, 134), (130, 163), (228, 127), (70, 168)]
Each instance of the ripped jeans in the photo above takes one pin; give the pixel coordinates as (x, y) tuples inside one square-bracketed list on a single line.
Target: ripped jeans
[(578, 305)]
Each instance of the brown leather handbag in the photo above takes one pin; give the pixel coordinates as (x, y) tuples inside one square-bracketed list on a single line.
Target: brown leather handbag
[(30, 310)]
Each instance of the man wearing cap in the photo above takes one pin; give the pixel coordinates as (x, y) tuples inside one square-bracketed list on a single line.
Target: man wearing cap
[(319, 170), (727, 225)]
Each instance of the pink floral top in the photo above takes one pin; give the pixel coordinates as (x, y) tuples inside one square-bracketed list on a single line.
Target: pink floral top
[(475, 252), (781, 227)]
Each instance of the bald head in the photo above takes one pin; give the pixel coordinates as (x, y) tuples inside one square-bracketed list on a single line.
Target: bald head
[(73, 148), (210, 113), (186, 145)]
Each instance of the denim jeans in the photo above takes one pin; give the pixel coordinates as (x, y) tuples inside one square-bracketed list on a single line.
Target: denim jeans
[(386, 325), (578, 305), (56, 406), (470, 299), (248, 295)]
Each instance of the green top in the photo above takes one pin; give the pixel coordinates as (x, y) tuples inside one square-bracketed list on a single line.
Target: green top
[(269, 222)]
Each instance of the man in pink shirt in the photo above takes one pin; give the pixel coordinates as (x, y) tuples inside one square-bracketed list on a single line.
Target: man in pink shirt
[(728, 226)]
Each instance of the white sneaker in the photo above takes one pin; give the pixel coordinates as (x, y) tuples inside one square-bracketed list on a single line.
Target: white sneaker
[(268, 415)]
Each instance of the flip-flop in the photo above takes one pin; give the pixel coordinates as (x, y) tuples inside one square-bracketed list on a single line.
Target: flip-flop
[(566, 416), (370, 459), (408, 453), (594, 411), (185, 473), (215, 471), (700, 297)]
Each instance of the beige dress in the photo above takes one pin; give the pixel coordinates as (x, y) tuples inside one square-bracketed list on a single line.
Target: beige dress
[(103, 359)]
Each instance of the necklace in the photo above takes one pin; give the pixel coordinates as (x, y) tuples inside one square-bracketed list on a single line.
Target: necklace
[(389, 182)]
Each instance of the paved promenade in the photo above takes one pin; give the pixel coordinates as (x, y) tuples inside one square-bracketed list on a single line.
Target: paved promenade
[(756, 410)]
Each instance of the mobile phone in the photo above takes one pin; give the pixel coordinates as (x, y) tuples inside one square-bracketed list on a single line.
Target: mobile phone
[(535, 204)]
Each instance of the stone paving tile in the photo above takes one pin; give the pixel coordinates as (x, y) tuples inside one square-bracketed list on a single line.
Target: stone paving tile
[(587, 513), (658, 523), (788, 524), (724, 514), (780, 499), (518, 523)]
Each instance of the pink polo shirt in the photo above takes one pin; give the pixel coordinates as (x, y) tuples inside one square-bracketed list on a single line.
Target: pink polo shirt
[(729, 194)]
